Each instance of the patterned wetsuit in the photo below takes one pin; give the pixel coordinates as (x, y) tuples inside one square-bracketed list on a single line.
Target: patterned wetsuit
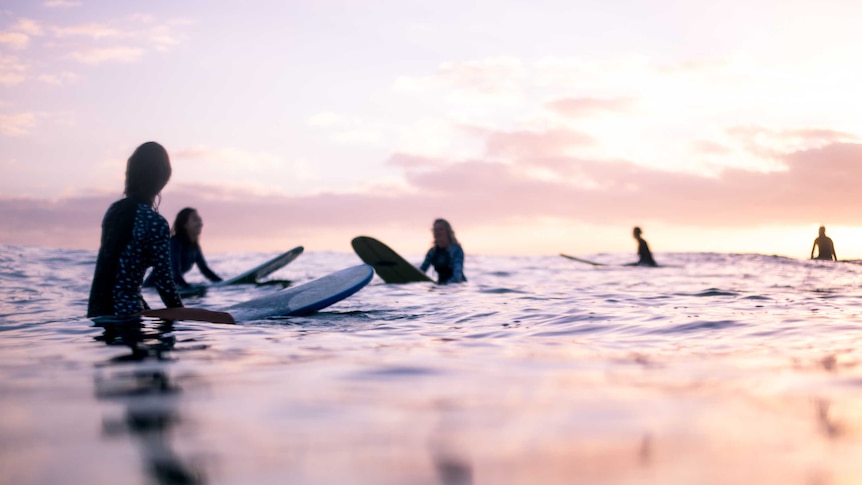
[(448, 262), (183, 256), (134, 237)]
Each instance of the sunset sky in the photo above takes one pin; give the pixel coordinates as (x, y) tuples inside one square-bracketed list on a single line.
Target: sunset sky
[(533, 127)]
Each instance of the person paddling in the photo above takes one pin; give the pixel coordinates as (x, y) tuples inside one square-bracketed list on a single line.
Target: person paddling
[(186, 249)]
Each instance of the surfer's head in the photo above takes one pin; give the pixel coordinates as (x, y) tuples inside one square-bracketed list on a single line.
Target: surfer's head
[(147, 172), (636, 232), (443, 233), (188, 225), (822, 231)]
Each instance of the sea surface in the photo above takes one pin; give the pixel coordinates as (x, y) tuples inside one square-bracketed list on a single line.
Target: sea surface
[(718, 369)]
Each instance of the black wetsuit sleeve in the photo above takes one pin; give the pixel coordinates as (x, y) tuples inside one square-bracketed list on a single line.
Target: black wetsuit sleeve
[(205, 269), (429, 256), (456, 260), (116, 233), (646, 258), (177, 262)]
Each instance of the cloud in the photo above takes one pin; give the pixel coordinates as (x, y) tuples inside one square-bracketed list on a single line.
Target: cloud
[(818, 184), (15, 40), (18, 124), (19, 35), (29, 27), (349, 130), (12, 70), (707, 147), (58, 79), (521, 144), (108, 54), (583, 107), (256, 171), (92, 30), (61, 4), (493, 76)]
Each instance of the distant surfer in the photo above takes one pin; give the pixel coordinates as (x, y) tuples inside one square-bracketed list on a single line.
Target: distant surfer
[(186, 249), (826, 247), (446, 256), (644, 254), (135, 237)]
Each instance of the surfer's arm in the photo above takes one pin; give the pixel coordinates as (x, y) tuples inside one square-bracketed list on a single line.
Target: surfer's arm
[(812, 249), (177, 263), (456, 257), (163, 274), (205, 269), (427, 263)]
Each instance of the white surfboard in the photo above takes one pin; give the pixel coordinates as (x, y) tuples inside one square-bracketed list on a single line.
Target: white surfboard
[(306, 298), (263, 270)]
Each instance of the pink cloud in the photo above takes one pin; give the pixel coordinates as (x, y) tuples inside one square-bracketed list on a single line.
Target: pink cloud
[(15, 40), (525, 143), (582, 107), (17, 124), (818, 185), (109, 54), (12, 70), (710, 148)]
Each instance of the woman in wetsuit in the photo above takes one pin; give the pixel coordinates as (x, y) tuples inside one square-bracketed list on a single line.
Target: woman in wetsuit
[(446, 256), (135, 237), (185, 247)]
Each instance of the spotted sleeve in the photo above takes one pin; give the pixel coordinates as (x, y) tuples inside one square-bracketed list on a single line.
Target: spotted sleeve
[(163, 274), (149, 246)]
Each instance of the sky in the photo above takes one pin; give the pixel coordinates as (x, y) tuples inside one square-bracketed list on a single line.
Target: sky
[(533, 127)]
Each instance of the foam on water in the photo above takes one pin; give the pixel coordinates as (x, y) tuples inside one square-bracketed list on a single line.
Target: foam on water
[(723, 369)]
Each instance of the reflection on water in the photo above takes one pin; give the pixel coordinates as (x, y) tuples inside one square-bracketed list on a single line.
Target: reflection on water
[(150, 399), (722, 369)]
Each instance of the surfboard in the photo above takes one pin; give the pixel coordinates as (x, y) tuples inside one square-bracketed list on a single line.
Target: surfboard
[(306, 298), (629, 265), (263, 270), (582, 260), (391, 267)]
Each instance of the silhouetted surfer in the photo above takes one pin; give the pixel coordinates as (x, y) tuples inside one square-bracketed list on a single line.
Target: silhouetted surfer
[(135, 237), (827, 249), (644, 254)]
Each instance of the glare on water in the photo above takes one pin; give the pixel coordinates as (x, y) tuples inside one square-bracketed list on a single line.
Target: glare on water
[(719, 368)]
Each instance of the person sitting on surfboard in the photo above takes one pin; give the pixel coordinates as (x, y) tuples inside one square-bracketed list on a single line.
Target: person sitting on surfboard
[(827, 248), (446, 255), (185, 248), (135, 237), (644, 254)]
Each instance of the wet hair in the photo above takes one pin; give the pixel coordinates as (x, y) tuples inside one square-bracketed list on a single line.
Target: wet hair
[(147, 172), (179, 227), (637, 230), (448, 228)]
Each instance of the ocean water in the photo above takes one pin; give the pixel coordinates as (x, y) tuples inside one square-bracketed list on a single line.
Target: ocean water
[(722, 369)]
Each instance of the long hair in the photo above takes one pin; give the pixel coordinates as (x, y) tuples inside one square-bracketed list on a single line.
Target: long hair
[(448, 228), (179, 227), (147, 172)]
